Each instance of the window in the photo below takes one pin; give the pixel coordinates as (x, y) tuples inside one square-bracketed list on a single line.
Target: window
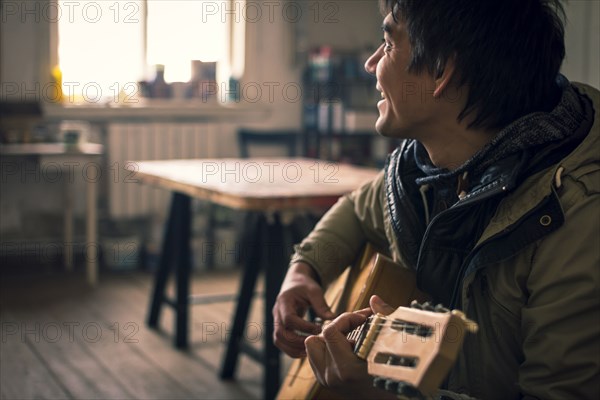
[(179, 32), (105, 47)]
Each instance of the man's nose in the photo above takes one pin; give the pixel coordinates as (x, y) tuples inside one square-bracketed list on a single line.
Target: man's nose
[(371, 63)]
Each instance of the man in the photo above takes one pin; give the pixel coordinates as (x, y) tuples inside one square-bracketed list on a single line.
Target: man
[(493, 199)]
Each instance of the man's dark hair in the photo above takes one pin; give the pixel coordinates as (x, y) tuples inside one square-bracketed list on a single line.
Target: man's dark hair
[(507, 53)]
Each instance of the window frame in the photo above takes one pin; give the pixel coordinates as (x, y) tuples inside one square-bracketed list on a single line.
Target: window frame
[(233, 64)]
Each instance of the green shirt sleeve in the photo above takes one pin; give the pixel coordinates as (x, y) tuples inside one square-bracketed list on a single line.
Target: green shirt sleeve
[(338, 238)]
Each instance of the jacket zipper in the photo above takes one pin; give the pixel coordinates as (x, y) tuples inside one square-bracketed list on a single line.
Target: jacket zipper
[(501, 185), (498, 189), (467, 261)]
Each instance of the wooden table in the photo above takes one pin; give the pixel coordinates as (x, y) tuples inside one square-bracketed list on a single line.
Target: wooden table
[(271, 189), (73, 157)]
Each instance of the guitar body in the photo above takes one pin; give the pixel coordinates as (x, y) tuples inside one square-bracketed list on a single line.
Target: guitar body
[(373, 274)]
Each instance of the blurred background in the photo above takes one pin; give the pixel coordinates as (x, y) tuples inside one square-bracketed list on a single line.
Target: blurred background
[(106, 83)]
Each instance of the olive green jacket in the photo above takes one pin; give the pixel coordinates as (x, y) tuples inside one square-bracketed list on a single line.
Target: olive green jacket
[(538, 306)]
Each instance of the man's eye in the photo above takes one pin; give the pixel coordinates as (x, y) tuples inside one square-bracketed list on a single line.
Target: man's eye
[(387, 46)]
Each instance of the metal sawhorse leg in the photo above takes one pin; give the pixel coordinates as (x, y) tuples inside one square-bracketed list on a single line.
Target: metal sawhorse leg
[(265, 249), (175, 251)]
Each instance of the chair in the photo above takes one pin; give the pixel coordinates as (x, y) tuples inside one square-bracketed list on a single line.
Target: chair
[(288, 140), (255, 224), (250, 143)]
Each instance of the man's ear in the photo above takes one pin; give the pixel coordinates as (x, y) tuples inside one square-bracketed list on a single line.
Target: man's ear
[(443, 81)]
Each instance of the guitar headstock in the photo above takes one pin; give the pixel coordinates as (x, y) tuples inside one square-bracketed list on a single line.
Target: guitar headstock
[(413, 348)]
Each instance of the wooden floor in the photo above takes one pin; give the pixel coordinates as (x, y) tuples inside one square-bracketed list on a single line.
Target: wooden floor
[(61, 339)]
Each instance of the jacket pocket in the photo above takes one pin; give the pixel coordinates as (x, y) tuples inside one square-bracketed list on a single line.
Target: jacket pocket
[(492, 355)]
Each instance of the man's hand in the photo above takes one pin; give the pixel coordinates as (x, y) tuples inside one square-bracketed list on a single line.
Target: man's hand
[(332, 358), (331, 355), (299, 291)]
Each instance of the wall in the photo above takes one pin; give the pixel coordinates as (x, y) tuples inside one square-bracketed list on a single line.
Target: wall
[(582, 63), (278, 42), (276, 45), (12, 56)]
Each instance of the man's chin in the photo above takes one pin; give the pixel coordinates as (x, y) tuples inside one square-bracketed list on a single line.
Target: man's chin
[(391, 128), (382, 128)]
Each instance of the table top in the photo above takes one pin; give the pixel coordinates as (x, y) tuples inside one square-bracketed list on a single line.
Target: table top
[(260, 184)]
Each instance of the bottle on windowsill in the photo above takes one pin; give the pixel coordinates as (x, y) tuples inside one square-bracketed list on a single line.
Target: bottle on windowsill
[(160, 89)]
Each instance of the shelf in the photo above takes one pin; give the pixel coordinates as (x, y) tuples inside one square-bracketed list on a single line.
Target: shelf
[(156, 110)]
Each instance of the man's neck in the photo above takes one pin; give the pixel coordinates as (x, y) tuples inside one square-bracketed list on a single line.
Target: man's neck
[(455, 145)]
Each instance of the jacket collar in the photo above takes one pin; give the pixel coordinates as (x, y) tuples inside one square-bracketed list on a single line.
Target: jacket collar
[(527, 173)]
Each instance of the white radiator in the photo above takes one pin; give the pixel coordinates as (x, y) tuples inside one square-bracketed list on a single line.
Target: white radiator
[(156, 141)]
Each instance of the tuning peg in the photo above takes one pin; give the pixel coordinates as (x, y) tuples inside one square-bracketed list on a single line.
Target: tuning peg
[(429, 307), (403, 390), (379, 382), (408, 391), (470, 325), (391, 385), (416, 304), (440, 308)]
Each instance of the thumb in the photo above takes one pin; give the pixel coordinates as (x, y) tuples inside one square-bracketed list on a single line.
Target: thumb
[(380, 306)]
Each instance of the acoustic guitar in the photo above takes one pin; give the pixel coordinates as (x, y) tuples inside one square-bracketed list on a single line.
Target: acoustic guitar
[(373, 273)]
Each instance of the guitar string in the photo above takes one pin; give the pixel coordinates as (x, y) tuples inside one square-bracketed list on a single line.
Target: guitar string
[(407, 326), (382, 317)]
